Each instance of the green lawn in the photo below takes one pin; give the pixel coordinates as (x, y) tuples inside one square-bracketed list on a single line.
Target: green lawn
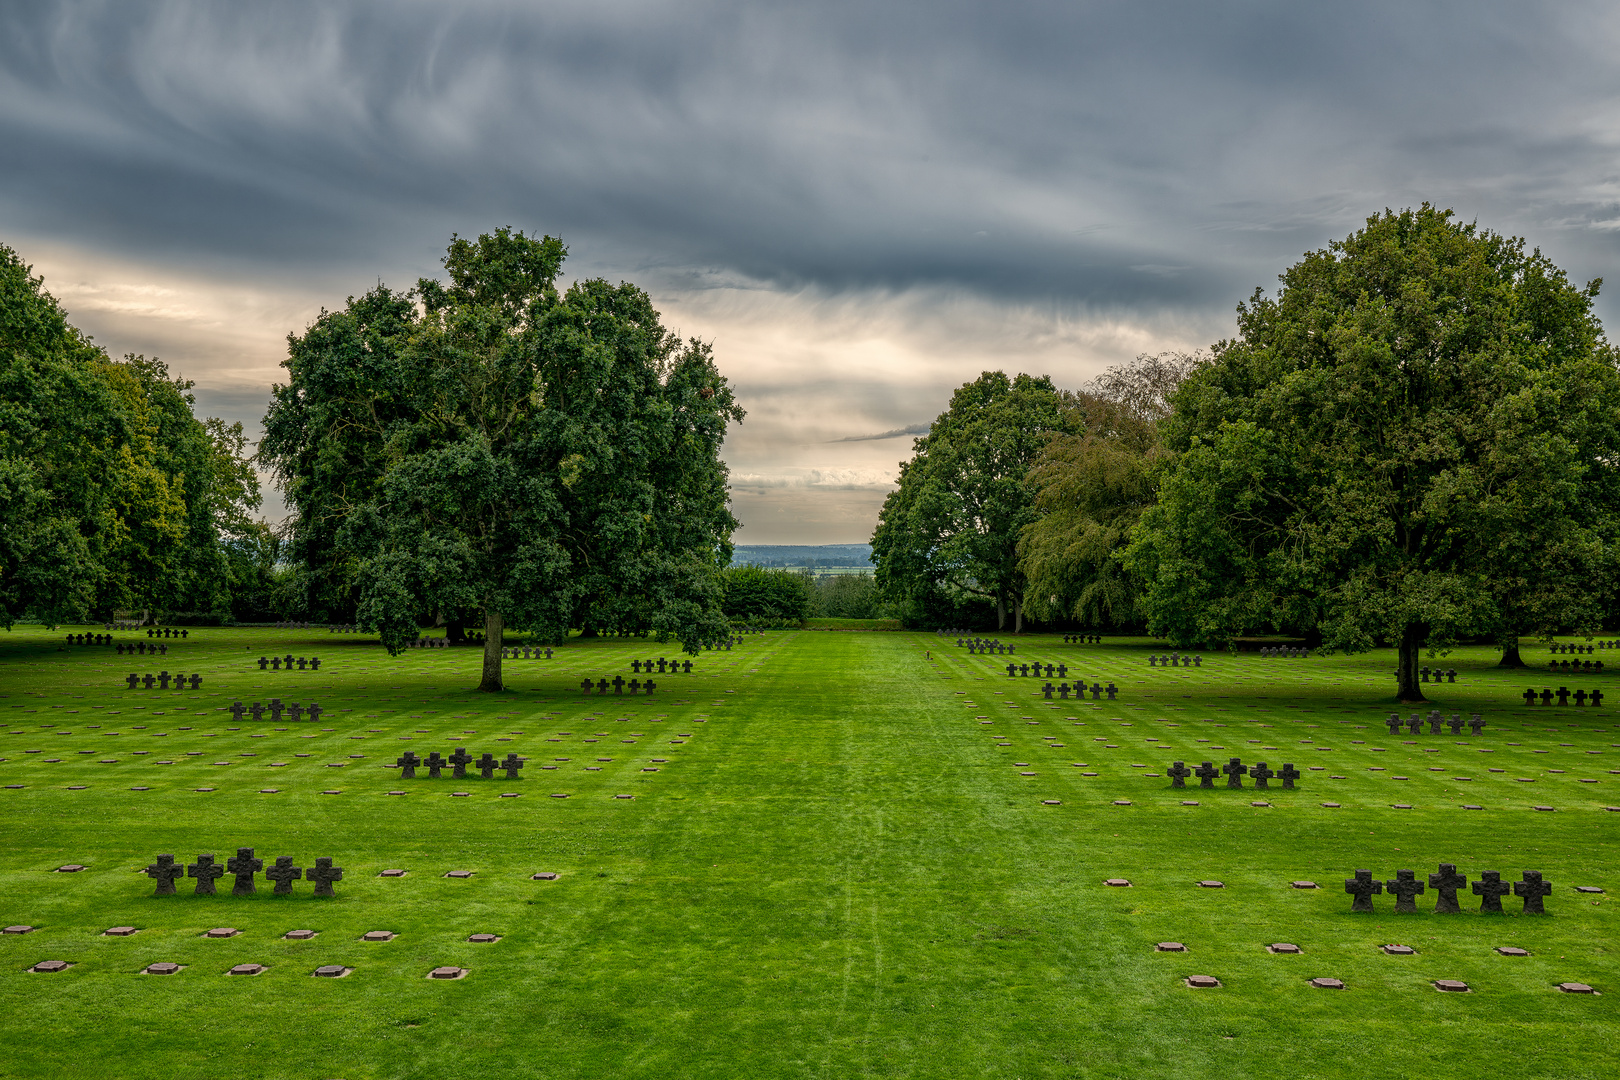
[(838, 871)]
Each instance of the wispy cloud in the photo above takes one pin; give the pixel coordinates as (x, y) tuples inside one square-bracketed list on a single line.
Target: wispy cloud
[(912, 429)]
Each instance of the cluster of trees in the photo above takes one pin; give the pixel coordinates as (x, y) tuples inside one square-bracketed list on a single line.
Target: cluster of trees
[(495, 450), (1415, 441), (760, 596), (114, 497)]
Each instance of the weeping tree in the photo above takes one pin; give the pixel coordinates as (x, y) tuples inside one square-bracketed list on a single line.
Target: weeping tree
[(532, 449), (1414, 441)]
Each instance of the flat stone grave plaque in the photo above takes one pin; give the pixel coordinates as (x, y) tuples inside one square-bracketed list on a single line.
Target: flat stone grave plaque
[(460, 874), (1399, 950), (331, 971), (162, 967), (222, 932), (1471, 806), (1327, 984), (1259, 804), (18, 930), (1575, 988), (1331, 805), (247, 969), (1211, 885), (1283, 948), (70, 868), (1118, 882), (1510, 950), (483, 939), (1400, 806), (1588, 889), (460, 794), (544, 875), (118, 931), (1451, 986), (299, 935), (1170, 946), (45, 967), (392, 873), (1543, 809), (1189, 802), (447, 973), (624, 796), (1122, 802), (1303, 884), (1203, 982), (378, 935), (510, 794)]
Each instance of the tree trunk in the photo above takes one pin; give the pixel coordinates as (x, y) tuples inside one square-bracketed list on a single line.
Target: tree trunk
[(1001, 613), (1510, 655), (1412, 639), (494, 626), (1018, 616)]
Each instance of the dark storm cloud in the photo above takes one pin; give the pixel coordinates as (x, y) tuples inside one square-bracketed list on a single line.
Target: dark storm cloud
[(1105, 155), (912, 429)]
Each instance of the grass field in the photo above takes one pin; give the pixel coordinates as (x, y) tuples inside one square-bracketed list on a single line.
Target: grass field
[(844, 867)]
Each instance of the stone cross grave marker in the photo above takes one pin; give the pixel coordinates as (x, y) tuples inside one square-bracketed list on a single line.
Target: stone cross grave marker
[(1207, 773), (1445, 885), (1490, 889), (458, 763), (324, 875), (1405, 889), (1288, 774), (1532, 889), (512, 764), (164, 872), (1261, 774), (244, 866), (284, 873), (1363, 888), (487, 765), (206, 873), (1234, 771), (1178, 774), (408, 761), (435, 764)]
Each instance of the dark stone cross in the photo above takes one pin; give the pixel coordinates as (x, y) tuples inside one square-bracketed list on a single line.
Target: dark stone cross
[(1261, 774), (257, 710), (264, 663), (1206, 774), (1178, 774), (1546, 697), (147, 681), (1063, 691), (206, 874), (434, 763), (1563, 696), (1445, 885), (458, 763), (618, 684), (1490, 889), (585, 686), (1596, 698), (315, 713), (164, 872), (1063, 671), (1414, 724), (635, 686), (132, 680), (1532, 889), (1363, 888), (1405, 889), (635, 666), (1476, 723), (244, 866), (1288, 774), (1047, 690), (1530, 697), (1234, 771), (601, 686), (284, 873), (275, 710), (487, 765), (686, 667), (408, 761), (1455, 724), (1012, 670), (660, 665), (295, 712), (163, 684), (324, 875), (512, 764), (1434, 723), (275, 663)]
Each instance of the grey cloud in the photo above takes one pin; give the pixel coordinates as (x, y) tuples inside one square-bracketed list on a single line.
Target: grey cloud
[(913, 429)]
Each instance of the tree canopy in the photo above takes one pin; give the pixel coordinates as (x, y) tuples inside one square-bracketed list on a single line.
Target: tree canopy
[(965, 496), (1414, 440), (546, 459)]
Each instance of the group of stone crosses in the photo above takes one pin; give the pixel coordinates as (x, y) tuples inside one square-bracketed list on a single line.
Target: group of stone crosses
[(145, 682), (676, 667), (121, 624), (983, 646), (243, 866), (1287, 652), (164, 631), (1582, 697), (1175, 660), (420, 642), (1235, 770), (276, 663), (1576, 667), (1082, 639), (727, 644), (1061, 671), (1490, 888), (343, 628), (511, 653), (618, 685), (141, 647), (1414, 723), (1079, 691), (458, 761), (1450, 674), (295, 711), (92, 639)]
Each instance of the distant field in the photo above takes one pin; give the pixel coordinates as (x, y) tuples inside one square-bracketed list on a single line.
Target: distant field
[(837, 858)]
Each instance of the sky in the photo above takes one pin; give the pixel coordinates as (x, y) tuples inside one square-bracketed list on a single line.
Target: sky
[(861, 205)]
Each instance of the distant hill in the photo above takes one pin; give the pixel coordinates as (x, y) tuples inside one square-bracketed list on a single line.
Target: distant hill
[(813, 556)]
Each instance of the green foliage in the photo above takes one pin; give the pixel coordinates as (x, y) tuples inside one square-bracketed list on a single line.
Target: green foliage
[(1091, 489), (547, 460), (112, 494), (964, 498), (755, 596), (1413, 441), (849, 596)]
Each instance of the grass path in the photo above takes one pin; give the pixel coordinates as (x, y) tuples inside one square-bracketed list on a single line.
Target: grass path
[(838, 870)]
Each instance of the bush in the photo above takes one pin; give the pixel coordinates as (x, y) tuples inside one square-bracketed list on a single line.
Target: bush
[(758, 597)]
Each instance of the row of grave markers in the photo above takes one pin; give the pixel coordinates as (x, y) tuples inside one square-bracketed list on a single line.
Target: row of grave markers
[(458, 761), (1490, 888), (1175, 660), (1082, 639), (1285, 652), (1079, 689), (1577, 667), (676, 667), (243, 865), (161, 679), (512, 653), (618, 685), (1414, 723), (294, 711), (277, 663), (1234, 770), (1582, 697), (1061, 671), (142, 648)]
